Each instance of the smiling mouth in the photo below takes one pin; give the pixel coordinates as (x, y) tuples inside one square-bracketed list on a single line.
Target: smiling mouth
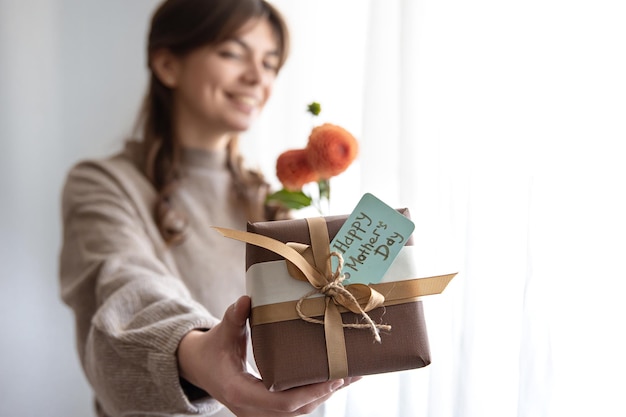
[(246, 100)]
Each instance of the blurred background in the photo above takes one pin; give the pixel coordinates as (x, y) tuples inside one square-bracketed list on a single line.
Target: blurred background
[(501, 125)]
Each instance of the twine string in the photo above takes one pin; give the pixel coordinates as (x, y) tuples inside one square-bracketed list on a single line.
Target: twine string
[(336, 290)]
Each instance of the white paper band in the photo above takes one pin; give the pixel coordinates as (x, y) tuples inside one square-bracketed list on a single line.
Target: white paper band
[(269, 282)]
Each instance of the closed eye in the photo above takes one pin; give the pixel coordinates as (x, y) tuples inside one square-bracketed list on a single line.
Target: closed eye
[(230, 54), (237, 49), (271, 65)]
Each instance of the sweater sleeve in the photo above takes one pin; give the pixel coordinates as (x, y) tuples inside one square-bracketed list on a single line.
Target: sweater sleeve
[(131, 310)]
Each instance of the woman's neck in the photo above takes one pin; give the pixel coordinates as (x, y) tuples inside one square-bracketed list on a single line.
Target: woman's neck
[(207, 143), (194, 134)]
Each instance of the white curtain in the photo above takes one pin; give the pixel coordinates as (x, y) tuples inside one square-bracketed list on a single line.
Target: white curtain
[(499, 124)]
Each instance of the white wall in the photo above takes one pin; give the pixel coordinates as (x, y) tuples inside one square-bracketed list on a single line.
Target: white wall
[(71, 77)]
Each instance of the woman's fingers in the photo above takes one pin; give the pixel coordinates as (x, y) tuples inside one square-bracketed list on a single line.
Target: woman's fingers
[(251, 398), (290, 401), (226, 379)]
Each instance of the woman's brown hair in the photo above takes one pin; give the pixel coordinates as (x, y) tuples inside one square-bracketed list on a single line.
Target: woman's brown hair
[(181, 26)]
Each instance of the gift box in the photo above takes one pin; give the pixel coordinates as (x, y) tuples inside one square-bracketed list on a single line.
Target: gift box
[(306, 328)]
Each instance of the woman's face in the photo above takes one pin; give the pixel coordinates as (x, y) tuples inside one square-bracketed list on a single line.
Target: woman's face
[(220, 89)]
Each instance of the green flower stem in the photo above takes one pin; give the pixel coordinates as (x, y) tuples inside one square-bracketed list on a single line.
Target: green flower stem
[(323, 203), (324, 187)]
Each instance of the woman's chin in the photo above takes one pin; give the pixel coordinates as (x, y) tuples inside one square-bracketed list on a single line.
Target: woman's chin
[(240, 126)]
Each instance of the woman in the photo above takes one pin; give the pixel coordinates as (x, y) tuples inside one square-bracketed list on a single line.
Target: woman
[(146, 276)]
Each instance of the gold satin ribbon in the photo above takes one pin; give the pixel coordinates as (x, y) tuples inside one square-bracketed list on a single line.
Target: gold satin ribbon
[(398, 292), (314, 264)]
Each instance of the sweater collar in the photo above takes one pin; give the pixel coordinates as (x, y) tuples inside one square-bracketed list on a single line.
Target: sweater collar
[(204, 159), (194, 158)]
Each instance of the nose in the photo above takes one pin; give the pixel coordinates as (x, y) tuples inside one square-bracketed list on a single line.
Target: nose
[(253, 73)]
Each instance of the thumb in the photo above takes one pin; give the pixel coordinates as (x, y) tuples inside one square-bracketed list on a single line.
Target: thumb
[(234, 327), (238, 313)]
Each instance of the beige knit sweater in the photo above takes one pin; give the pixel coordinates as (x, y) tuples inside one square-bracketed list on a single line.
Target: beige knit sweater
[(133, 299)]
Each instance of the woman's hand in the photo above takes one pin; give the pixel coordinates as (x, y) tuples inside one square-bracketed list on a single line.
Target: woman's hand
[(216, 362)]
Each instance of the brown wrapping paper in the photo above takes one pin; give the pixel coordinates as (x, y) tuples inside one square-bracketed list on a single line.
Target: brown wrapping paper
[(293, 352)]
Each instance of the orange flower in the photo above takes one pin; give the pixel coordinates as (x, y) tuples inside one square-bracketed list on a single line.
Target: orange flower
[(331, 150), (293, 169)]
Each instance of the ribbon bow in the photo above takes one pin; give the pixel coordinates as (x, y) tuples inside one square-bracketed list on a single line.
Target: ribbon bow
[(358, 298)]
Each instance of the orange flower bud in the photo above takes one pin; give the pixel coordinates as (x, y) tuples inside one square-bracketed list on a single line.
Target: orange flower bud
[(293, 169), (331, 150)]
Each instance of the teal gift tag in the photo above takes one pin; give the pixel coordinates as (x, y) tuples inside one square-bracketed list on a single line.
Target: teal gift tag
[(370, 240)]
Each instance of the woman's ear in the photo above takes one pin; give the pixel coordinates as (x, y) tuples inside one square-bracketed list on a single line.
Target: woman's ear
[(166, 66)]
